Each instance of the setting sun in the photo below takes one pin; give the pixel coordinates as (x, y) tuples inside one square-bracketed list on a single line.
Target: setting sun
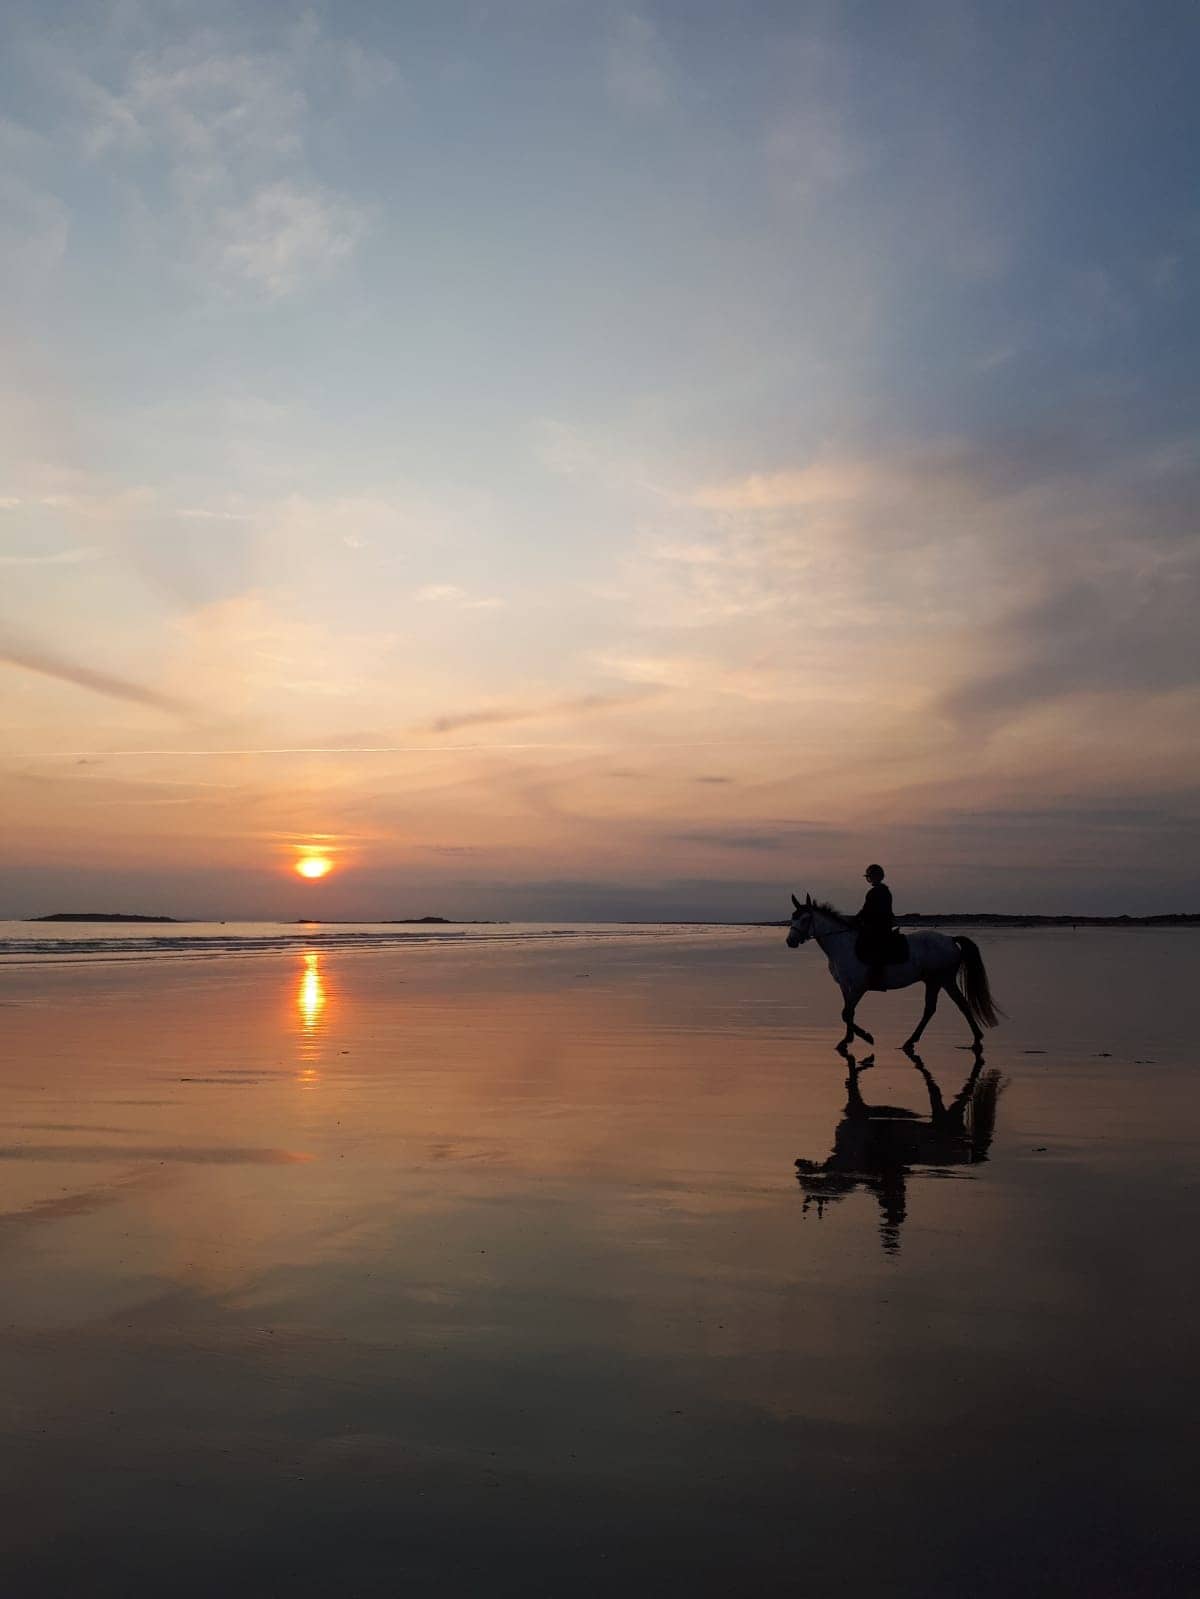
[(314, 866)]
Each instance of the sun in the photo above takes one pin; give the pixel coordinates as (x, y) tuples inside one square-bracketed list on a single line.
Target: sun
[(314, 866)]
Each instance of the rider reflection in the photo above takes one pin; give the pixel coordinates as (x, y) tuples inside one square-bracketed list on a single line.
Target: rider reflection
[(875, 1147)]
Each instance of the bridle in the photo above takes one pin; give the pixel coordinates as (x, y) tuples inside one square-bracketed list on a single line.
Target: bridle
[(795, 937), (810, 910)]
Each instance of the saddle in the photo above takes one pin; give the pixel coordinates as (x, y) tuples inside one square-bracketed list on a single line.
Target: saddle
[(889, 951)]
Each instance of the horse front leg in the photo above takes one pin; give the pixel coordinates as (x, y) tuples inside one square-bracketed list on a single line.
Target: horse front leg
[(852, 997), (931, 999)]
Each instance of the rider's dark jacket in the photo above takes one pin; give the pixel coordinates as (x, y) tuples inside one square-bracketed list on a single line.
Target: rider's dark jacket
[(874, 923)]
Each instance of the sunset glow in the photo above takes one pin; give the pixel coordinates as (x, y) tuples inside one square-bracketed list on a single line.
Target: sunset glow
[(625, 600)]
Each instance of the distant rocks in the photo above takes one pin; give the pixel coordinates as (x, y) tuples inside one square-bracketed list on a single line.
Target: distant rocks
[(97, 916)]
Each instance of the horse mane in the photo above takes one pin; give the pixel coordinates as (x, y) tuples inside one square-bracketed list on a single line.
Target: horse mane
[(830, 910)]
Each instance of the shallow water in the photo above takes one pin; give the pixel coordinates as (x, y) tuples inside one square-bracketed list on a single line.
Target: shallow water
[(488, 1268)]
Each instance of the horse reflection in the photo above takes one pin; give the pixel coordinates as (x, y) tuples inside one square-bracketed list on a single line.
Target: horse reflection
[(876, 1146)]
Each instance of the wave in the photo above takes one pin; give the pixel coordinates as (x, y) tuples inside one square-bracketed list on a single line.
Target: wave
[(117, 944)]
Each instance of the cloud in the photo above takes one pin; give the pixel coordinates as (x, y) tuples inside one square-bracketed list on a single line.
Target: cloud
[(395, 518), (451, 594), (34, 230), (767, 836), (486, 716), (367, 72), (1126, 626), (228, 127), (33, 658), (636, 73), (56, 558), (946, 471), (750, 680), (256, 659), (1174, 812), (933, 537), (564, 449), (201, 514), (811, 150), (284, 236), (81, 494), (824, 483)]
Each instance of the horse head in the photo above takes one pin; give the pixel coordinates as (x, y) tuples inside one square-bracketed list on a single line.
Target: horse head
[(801, 927)]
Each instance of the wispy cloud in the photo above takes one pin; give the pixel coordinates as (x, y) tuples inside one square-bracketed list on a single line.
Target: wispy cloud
[(767, 837), (200, 513), (747, 679), (82, 495), (34, 230), (636, 70), (450, 594), (230, 125), (285, 235), (494, 715), (31, 657), (1126, 628), (54, 558), (812, 149)]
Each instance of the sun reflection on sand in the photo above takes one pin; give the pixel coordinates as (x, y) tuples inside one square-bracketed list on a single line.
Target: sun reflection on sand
[(311, 1000)]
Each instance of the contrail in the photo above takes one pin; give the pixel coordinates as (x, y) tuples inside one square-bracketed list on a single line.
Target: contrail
[(389, 749)]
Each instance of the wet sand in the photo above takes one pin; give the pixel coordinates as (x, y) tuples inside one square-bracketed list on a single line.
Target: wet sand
[(489, 1270)]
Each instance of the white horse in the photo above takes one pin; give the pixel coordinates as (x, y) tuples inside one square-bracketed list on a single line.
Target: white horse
[(942, 963)]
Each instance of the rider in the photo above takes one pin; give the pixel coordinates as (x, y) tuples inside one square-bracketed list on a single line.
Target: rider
[(874, 923)]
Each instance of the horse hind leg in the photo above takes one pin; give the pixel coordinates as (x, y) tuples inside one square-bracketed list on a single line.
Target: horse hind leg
[(951, 988), (931, 998)]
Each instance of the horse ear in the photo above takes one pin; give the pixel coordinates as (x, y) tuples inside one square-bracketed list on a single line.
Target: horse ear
[(795, 902), (808, 899)]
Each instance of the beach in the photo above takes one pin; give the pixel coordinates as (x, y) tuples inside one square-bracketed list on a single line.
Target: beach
[(478, 1261)]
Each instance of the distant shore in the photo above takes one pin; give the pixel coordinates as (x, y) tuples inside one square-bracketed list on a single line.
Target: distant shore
[(299, 921), (988, 919), (912, 919), (996, 919)]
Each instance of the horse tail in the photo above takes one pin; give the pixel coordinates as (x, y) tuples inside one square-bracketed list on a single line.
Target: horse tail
[(973, 984)]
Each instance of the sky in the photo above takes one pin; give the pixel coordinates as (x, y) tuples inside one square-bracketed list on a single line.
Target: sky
[(566, 460)]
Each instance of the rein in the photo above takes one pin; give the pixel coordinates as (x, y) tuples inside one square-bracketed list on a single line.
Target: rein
[(837, 931)]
